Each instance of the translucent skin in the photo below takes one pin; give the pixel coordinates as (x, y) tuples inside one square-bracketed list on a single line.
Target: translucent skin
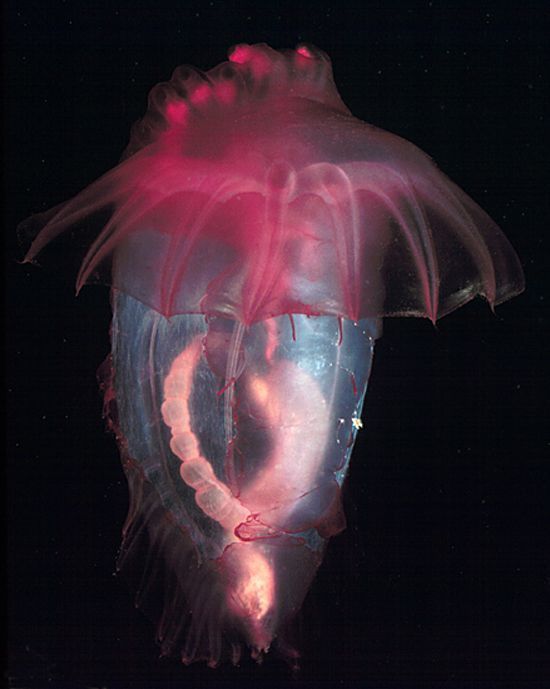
[(243, 188), (259, 232), (235, 441)]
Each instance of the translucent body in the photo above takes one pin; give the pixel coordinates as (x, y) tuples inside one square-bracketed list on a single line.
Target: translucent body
[(258, 233), (245, 435)]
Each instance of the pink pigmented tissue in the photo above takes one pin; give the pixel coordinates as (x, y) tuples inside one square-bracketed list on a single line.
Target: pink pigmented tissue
[(254, 235)]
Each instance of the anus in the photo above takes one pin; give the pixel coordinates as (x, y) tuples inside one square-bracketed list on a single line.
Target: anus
[(258, 235)]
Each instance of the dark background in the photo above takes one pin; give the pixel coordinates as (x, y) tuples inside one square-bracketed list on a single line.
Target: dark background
[(443, 576)]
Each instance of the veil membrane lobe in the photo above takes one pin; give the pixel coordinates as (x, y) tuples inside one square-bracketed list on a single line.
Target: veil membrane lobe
[(257, 233)]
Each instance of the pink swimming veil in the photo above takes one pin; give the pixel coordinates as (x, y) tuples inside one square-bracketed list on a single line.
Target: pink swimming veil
[(251, 191)]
